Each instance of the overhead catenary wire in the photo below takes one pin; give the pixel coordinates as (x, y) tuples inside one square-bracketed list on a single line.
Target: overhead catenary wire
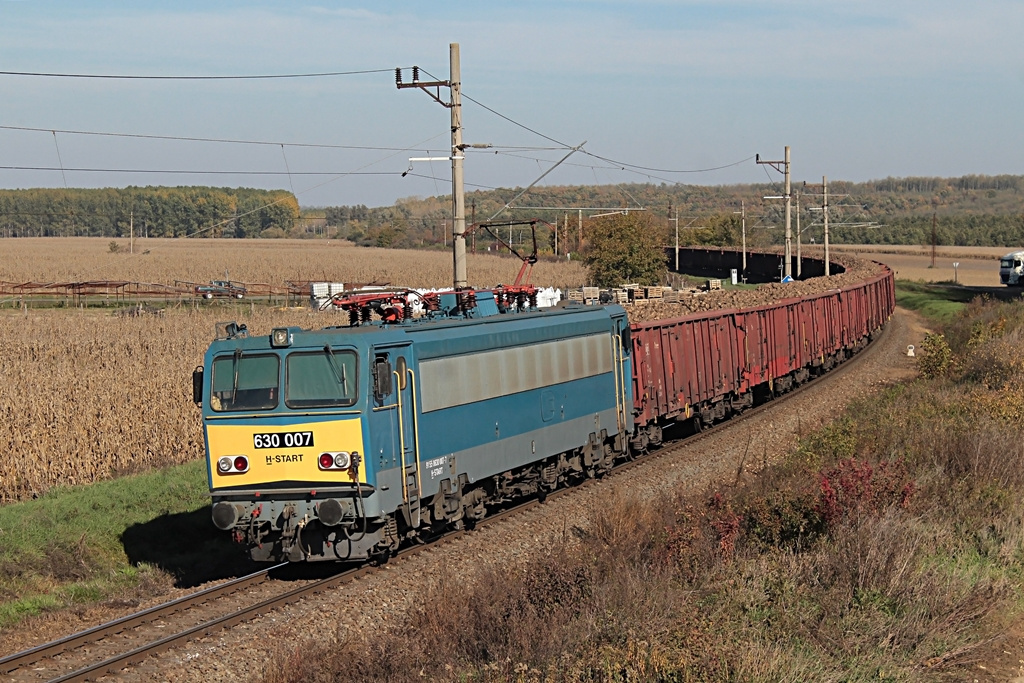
[(190, 171), (144, 77), (185, 138), (59, 160)]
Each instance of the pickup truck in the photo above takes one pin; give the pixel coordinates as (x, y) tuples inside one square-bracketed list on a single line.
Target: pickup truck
[(221, 288)]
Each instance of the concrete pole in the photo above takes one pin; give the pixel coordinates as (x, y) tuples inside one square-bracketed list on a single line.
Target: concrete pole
[(799, 259), (824, 211), (676, 221), (788, 271), (579, 241), (458, 187), (743, 223)]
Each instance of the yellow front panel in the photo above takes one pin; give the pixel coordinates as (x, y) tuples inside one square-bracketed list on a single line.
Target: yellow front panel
[(284, 463)]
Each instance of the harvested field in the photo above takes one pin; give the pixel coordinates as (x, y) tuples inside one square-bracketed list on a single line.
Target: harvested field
[(979, 266), (273, 262)]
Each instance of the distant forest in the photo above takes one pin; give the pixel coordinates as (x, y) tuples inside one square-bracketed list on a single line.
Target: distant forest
[(971, 210), (149, 211), (967, 211)]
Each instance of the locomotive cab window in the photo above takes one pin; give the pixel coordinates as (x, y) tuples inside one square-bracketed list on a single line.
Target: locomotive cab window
[(245, 382), (321, 379)]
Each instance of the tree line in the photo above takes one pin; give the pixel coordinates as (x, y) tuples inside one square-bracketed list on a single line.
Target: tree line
[(973, 210), (193, 211)]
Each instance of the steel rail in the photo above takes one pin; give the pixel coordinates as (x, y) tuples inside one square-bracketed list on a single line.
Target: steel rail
[(20, 659), (117, 662)]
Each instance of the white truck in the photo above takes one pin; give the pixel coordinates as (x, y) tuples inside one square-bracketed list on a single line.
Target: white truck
[(1011, 269)]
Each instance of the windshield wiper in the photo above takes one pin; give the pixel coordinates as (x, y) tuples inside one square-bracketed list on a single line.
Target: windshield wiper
[(236, 361), (340, 374)]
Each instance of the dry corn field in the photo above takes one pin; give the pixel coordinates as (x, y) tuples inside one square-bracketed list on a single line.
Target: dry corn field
[(272, 262), (90, 395)]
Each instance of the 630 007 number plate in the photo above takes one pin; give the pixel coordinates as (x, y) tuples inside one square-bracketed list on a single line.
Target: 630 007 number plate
[(282, 440)]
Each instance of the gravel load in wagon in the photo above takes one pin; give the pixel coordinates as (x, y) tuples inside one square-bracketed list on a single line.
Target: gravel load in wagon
[(857, 270)]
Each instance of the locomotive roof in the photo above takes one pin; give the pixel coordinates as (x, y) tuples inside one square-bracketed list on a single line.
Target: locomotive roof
[(573, 317)]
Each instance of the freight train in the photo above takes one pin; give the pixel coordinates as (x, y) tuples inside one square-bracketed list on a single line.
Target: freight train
[(345, 442)]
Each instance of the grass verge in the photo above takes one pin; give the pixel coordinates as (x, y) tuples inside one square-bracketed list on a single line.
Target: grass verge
[(935, 302), (89, 543)]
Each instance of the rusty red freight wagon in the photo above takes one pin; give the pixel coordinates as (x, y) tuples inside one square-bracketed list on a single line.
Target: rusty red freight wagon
[(704, 366)]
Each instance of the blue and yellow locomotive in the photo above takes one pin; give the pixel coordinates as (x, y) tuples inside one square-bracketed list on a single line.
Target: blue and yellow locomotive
[(341, 443)]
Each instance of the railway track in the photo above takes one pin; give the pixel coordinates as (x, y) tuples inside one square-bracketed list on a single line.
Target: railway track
[(110, 647)]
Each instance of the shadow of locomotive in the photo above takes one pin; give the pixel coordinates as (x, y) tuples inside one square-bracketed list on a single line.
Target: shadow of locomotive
[(187, 546)]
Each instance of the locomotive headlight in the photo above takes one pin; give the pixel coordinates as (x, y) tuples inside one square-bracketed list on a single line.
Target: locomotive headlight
[(279, 337), (224, 464), (334, 461)]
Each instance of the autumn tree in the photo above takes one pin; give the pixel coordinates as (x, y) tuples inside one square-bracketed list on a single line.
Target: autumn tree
[(625, 248)]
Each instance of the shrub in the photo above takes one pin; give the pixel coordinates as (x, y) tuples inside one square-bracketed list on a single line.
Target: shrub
[(935, 357)]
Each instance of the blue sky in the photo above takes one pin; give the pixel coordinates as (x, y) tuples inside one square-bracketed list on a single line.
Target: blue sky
[(858, 90)]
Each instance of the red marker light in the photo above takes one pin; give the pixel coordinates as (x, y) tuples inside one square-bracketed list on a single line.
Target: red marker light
[(241, 463), (326, 461)]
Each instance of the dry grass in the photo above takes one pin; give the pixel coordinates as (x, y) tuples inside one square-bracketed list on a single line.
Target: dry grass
[(691, 589)]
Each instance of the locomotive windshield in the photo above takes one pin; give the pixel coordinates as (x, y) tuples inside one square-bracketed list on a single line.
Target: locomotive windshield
[(322, 379), (245, 382)]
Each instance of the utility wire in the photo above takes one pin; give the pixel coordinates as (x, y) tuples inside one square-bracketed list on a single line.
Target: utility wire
[(497, 149), (285, 157), (191, 172), (135, 77), (59, 160), (222, 140), (626, 166)]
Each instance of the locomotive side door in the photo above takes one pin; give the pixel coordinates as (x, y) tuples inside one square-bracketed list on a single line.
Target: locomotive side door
[(394, 406)]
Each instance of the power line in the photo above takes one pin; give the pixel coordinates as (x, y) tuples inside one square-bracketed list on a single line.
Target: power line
[(184, 138), (627, 166), (191, 172), (137, 77)]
